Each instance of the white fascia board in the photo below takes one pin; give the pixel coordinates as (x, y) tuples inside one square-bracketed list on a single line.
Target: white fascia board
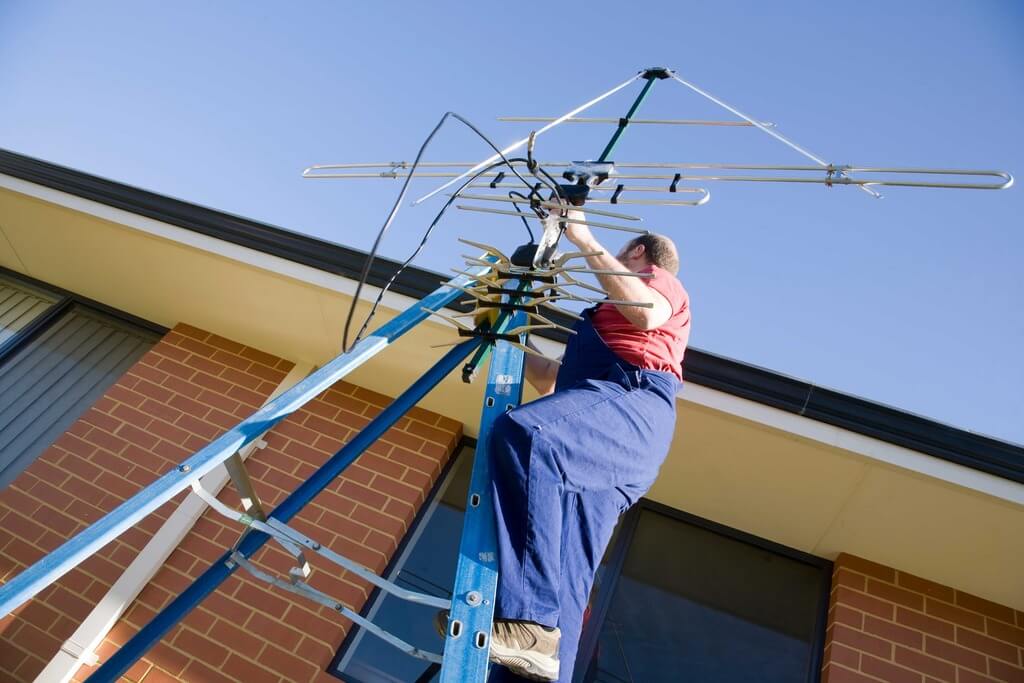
[(871, 448), (213, 245), (866, 446)]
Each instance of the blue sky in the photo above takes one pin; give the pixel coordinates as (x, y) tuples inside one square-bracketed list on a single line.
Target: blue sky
[(913, 300)]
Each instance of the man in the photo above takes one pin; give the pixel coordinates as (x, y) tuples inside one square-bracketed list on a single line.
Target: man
[(567, 465)]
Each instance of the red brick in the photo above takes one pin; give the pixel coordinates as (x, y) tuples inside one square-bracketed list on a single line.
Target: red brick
[(200, 647), (954, 653), (216, 401), (990, 646), (863, 602), (838, 674), (73, 444), (136, 436), (288, 665), (1004, 672), (891, 673), (840, 654), (421, 481), (98, 419), (85, 491), (198, 427), (405, 440), (379, 521), (918, 661), (203, 364), (189, 406), (23, 527), (243, 379), (397, 489), (954, 614), (844, 614), (274, 631), (343, 526), (968, 676), (437, 451), (205, 381), (986, 607), (235, 638), (925, 587), (197, 347), (153, 391), (267, 373), (116, 486), (261, 599), (893, 594), (106, 440), (223, 421), (175, 369), (323, 426), (186, 330), (430, 433), (859, 564), (225, 344), (861, 641), (414, 460), (243, 669), (228, 609), (197, 672), (362, 494), (259, 356), (1005, 632), (349, 403)]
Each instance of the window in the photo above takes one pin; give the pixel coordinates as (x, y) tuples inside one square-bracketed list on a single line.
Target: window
[(690, 602), (677, 598), (425, 563), (20, 305), (58, 354)]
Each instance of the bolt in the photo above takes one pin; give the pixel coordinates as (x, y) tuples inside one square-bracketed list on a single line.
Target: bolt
[(474, 598)]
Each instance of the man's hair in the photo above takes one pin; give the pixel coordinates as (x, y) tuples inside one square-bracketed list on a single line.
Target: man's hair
[(659, 251)]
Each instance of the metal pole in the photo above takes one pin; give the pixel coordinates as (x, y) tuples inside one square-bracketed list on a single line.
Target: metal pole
[(151, 633), (83, 544), (623, 122)]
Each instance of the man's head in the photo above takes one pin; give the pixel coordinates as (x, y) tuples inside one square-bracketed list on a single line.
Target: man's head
[(650, 249)]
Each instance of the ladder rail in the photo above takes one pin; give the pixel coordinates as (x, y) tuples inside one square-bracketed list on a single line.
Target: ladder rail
[(82, 545), (220, 570)]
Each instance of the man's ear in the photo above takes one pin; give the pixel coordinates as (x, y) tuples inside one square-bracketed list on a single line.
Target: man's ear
[(639, 251)]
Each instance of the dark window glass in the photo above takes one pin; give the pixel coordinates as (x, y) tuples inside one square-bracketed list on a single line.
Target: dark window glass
[(46, 384), (426, 564), (695, 605), (20, 304)]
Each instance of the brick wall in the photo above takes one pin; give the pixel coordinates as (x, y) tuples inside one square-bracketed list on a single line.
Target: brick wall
[(887, 625), (188, 389)]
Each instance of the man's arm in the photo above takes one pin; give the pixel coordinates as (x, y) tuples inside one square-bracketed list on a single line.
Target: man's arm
[(624, 288), (540, 372)]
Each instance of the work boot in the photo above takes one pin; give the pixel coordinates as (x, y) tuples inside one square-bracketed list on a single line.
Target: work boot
[(523, 647), (526, 649)]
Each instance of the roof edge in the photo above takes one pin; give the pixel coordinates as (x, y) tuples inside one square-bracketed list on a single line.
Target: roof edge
[(858, 415)]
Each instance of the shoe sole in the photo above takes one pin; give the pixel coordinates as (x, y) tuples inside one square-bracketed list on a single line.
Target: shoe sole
[(525, 663)]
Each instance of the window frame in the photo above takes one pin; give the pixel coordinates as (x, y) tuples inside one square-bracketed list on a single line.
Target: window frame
[(602, 600), (397, 558), (65, 301)]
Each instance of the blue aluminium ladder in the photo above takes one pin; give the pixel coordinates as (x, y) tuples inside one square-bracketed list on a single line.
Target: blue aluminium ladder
[(471, 607)]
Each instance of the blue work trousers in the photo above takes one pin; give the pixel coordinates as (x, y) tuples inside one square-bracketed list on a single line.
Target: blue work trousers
[(565, 467)]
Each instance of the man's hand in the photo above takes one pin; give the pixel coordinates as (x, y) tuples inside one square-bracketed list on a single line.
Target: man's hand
[(580, 234)]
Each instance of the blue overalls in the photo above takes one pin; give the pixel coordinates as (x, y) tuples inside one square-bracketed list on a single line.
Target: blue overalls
[(565, 467)]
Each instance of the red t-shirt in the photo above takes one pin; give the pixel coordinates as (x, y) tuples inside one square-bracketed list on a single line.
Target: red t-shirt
[(659, 349)]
